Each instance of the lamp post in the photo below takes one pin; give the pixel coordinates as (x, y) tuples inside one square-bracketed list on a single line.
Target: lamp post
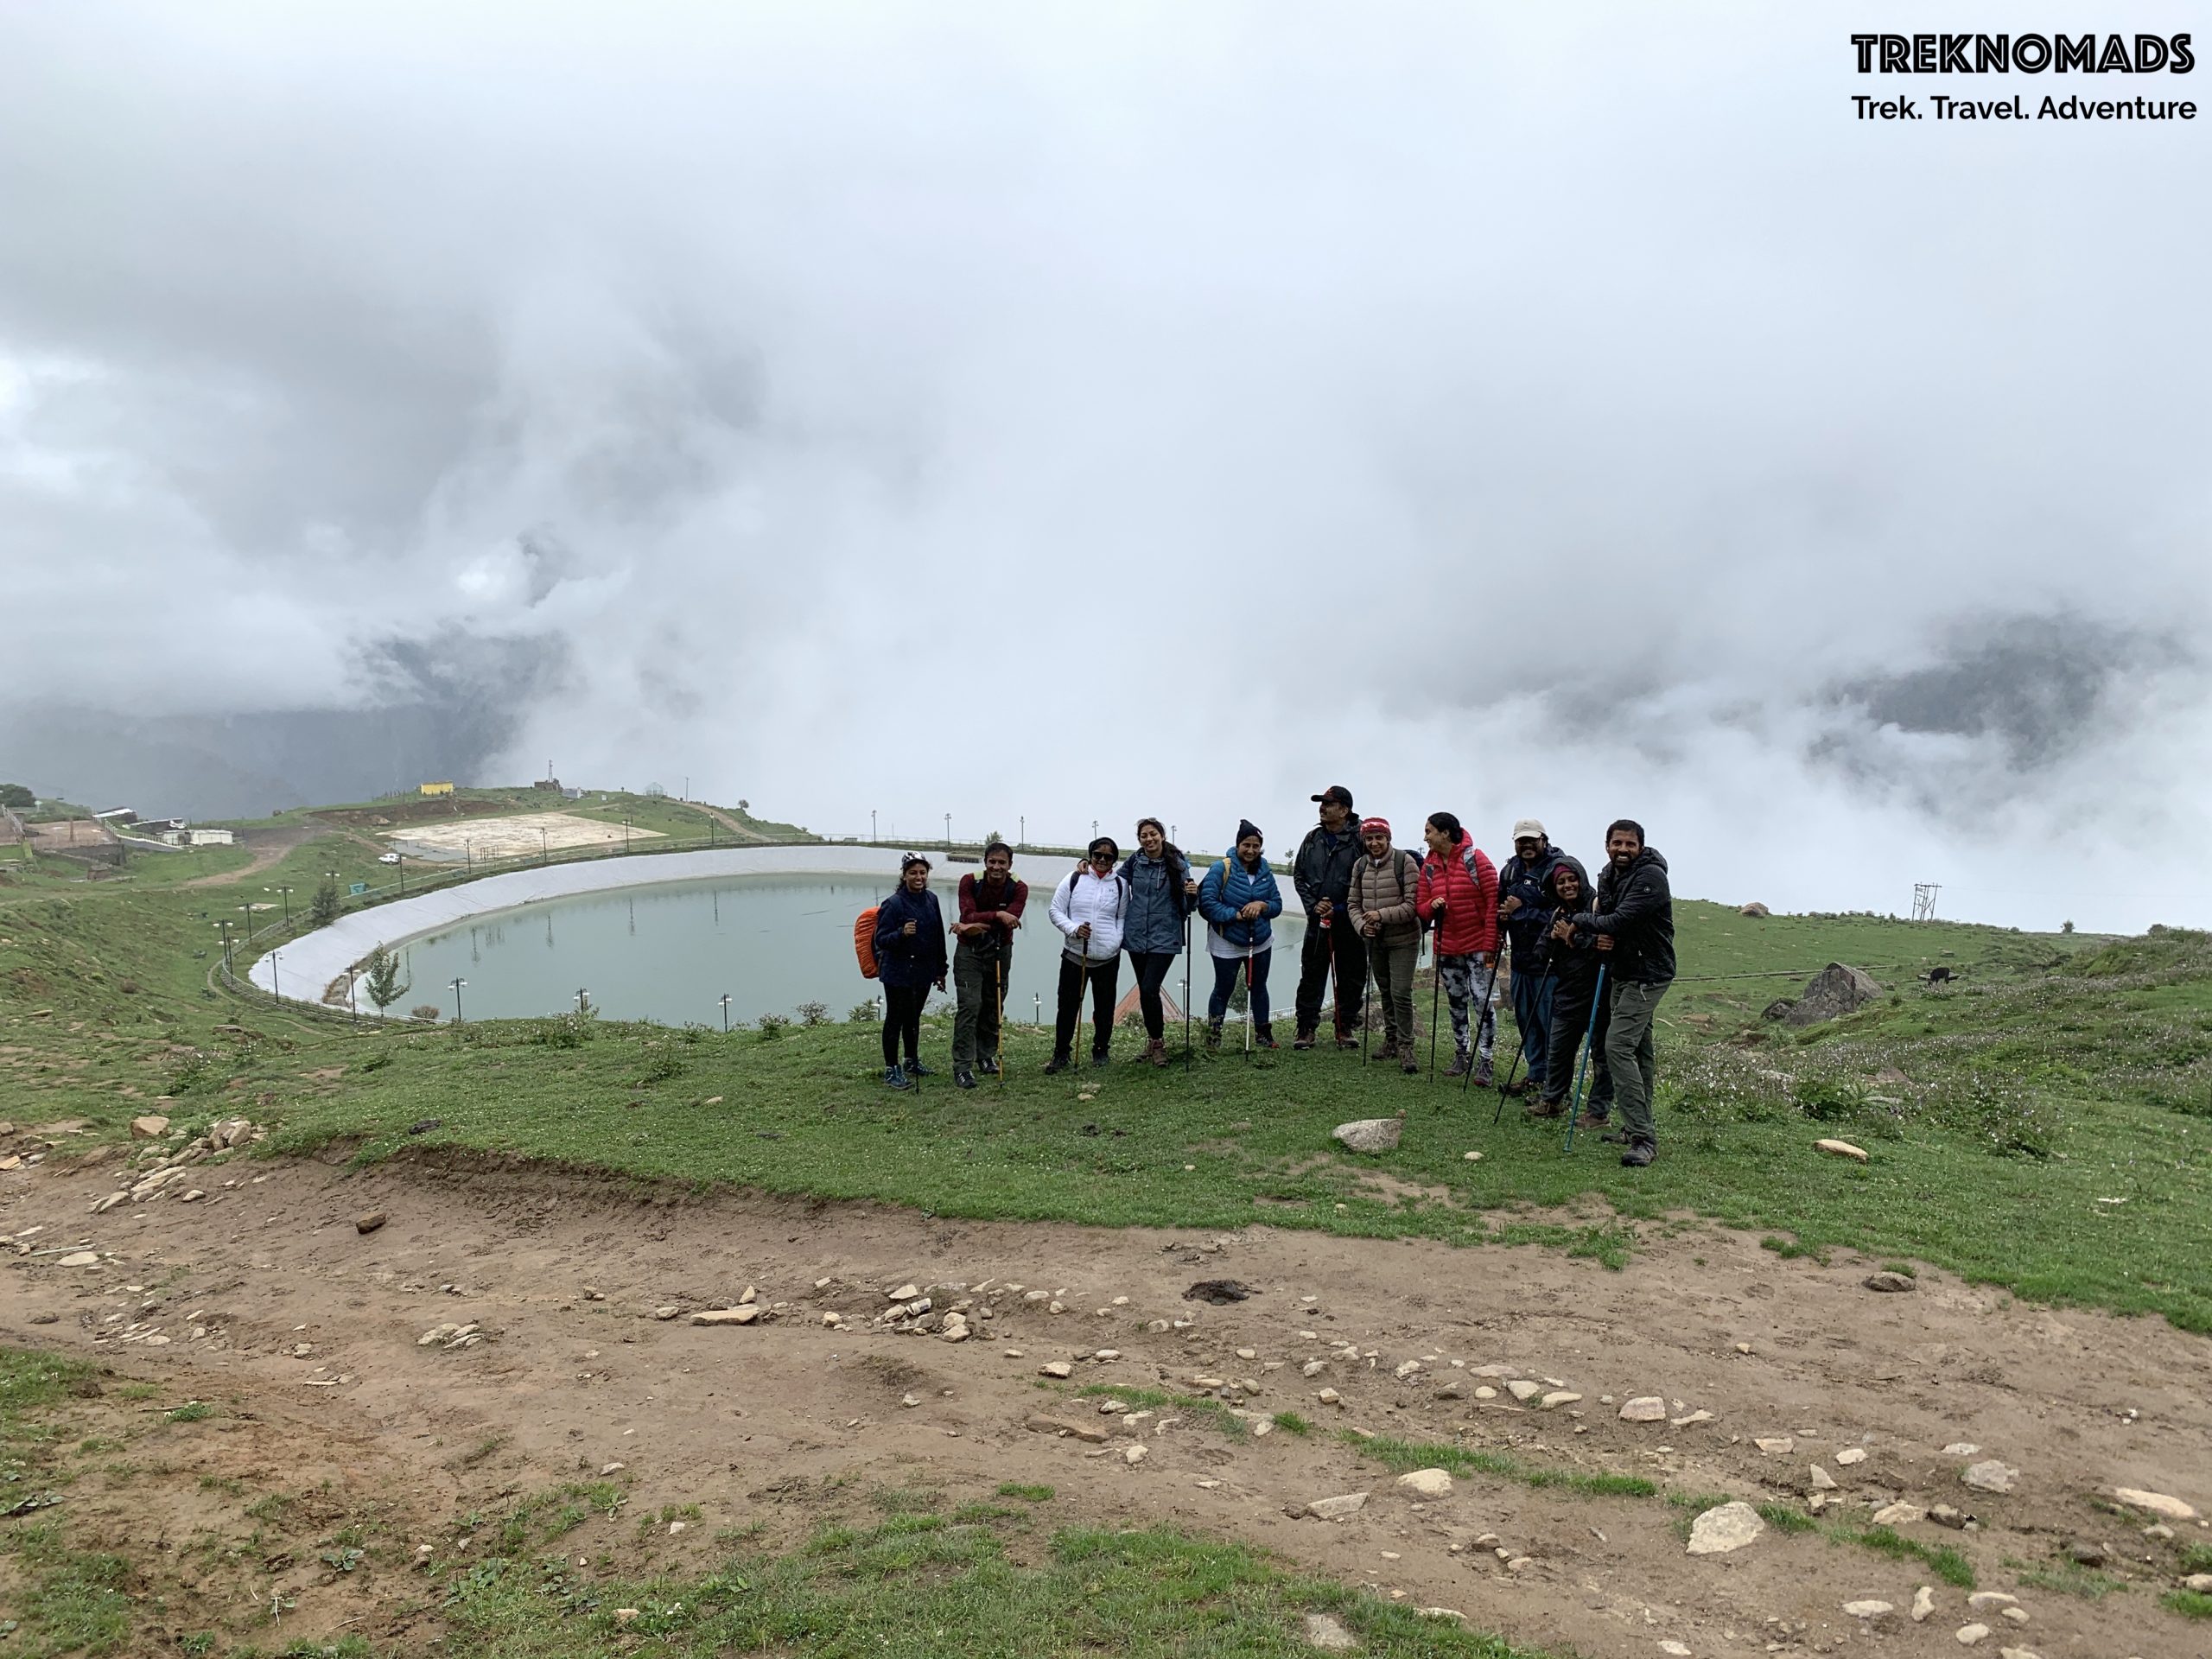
[(275, 988), (225, 926), (625, 832), (286, 891), (871, 823), (1022, 833), (948, 834), (544, 848), (468, 855), (583, 1000), (725, 1013), (352, 1008), (455, 988), (248, 908)]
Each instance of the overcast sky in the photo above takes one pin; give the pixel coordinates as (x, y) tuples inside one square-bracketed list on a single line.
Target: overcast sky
[(1074, 412)]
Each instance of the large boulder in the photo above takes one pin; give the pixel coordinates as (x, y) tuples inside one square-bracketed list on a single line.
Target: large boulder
[(1754, 909), (1834, 990)]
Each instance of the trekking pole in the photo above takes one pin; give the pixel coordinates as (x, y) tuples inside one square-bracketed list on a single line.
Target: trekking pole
[(1520, 1047), (1435, 994), (998, 963), (1589, 1038), (1249, 1015), (1186, 993), (1366, 973)]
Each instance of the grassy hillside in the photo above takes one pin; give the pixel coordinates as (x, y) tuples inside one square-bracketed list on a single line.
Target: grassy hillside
[(2040, 1124)]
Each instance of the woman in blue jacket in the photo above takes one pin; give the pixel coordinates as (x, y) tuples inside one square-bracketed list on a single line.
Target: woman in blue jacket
[(909, 958), (1161, 894), (1240, 901)]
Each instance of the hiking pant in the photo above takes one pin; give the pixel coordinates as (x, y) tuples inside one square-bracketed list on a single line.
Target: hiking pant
[(1104, 975), (1465, 978), (980, 976), (1339, 946), (1151, 968), (1225, 970), (1570, 1003), (1394, 987), (1532, 1013), (902, 1021), (1629, 1054)]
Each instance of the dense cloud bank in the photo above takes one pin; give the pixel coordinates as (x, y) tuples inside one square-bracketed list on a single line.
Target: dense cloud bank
[(1015, 413)]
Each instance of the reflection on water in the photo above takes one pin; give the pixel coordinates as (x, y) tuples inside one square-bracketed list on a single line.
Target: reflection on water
[(769, 943)]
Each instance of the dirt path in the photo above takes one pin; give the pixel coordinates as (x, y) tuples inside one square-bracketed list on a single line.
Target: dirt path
[(784, 1421), (733, 825), (267, 846)]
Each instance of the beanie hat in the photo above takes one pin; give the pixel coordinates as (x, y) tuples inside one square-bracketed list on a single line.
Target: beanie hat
[(1246, 828), (1375, 826)]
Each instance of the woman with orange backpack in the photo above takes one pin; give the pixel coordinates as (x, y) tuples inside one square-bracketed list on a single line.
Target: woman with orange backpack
[(909, 958)]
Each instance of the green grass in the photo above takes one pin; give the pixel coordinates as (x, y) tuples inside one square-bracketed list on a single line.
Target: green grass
[(69, 1601), (1026, 1494), (2189, 1603), (1403, 1457), (1783, 1518), (2069, 1579), (2057, 1074), (920, 1585), (1945, 1562)]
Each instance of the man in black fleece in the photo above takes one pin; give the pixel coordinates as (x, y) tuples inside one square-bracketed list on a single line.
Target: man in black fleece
[(1634, 920)]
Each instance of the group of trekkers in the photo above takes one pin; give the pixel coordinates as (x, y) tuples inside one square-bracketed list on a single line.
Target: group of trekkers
[(1587, 961)]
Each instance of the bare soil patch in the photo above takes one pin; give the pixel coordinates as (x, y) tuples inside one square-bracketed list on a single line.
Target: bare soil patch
[(519, 834), (782, 1424)]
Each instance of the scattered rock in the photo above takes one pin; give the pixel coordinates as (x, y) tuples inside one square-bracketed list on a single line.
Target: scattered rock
[(151, 1128), (1324, 1633), (1058, 1368), (1960, 1449), (726, 1316), (2157, 1502), (424, 1128), (1867, 1609), (1992, 1476), (1730, 1526), (370, 1221), (1472, 1157), (1842, 1149), (1645, 1408), (1450, 1391), (1425, 1483), (1899, 1514), (2201, 1583), (1557, 1398), (1330, 1397), (1220, 1292), (101, 1206), (1675, 1649), (1821, 1480), (1369, 1134), (2016, 1653), (81, 1259), (1850, 1454), (1090, 1433), (1982, 1601), (2083, 1552), (1691, 1420), (1134, 1454), (1889, 1282), (1776, 1444), (904, 1293), (624, 1615), (1522, 1389), (1836, 989), (1944, 1516), (1923, 1603), (666, 1311), (45, 1319), (1970, 1634), (1328, 1509)]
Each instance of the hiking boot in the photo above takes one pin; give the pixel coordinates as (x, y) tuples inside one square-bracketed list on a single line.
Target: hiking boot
[(1458, 1068), (1156, 1050), (962, 1077), (1388, 1050), (989, 1065), (1099, 1060), (1265, 1037), (894, 1077), (1304, 1038), (916, 1069), (1345, 1040), (1058, 1063), (1409, 1065), (1213, 1035), (1514, 1089), (1639, 1155), (1484, 1075), (1593, 1120), (1547, 1108)]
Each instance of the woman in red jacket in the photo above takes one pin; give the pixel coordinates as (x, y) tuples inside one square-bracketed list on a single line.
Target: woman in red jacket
[(1458, 897)]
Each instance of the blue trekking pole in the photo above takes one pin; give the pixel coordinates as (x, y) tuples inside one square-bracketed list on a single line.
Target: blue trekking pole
[(1589, 1036)]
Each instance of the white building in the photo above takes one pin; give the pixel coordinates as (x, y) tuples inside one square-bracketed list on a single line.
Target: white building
[(210, 838)]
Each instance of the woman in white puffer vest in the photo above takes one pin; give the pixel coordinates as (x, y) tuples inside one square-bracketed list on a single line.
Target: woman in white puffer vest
[(1088, 907)]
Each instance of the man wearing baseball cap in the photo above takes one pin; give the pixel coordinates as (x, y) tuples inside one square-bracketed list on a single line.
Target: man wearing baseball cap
[(1524, 907), (1322, 873)]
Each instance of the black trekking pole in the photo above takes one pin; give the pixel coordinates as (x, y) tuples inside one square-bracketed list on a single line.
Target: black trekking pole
[(1589, 1040), (1482, 1011), (1435, 992), (998, 1032), (1366, 973), (1520, 1047), (1186, 993)]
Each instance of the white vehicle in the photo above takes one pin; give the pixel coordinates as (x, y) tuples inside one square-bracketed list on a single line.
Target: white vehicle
[(387, 858)]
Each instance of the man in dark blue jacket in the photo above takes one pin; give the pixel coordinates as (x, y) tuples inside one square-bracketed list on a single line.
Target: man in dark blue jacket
[(1322, 874), (1524, 913), (1634, 920)]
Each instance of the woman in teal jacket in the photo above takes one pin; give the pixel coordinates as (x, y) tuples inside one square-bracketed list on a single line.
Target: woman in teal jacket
[(1240, 901)]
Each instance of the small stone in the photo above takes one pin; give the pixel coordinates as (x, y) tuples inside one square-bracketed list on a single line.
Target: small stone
[(1330, 1397), (2157, 1502), (1923, 1603), (726, 1316), (1970, 1634), (1821, 1480), (1889, 1282), (1557, 1398), (1324, 1633), (1675, 1649), (2016, 1653), (624, 1615), (1328, 1509), (666, 1311), (675, 1527), (1425, 1483), (1990, 1476), (81, 1259), (1867, 1609), (1899, 1514), (1484, 1391), (1850, 1454), (1842, 1149), (1522, 1389), (1058, 1368), (2201, 1583), (1314, 1367), (2083, 1552), (1960, 1449), (1408, 1369), (192, 1197), (1776, 1444), (1450, 1391), (1982, 1601), (1369, 1134), (1694, 1417), (1472, 1157), (151, 1128), (2015, 1615), (370, 1221), (101, 1206), (1089, 1432), (904, 1293), (1730, 1526), (1134, 1454), (1645, 1408), (910, 1401), (1107, 1354), (1247, 1353), (1944, 1516), (746, 1299)]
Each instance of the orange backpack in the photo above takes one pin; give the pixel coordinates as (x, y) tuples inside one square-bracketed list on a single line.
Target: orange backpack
[(864, 941)]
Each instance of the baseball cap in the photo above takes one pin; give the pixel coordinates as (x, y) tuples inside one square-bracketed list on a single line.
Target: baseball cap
[(1337, 793), (1527, 827)]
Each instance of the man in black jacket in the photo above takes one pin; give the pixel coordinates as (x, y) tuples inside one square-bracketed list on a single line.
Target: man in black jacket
[(1525, 914), (1322, 873), (1635, 924)]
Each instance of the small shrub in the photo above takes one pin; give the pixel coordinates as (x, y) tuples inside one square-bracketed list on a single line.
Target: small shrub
[(193, 1074), (428, 1013), (863, 1014), (772, 1027), (814, 1014), (661, 1068), (571, 1030)]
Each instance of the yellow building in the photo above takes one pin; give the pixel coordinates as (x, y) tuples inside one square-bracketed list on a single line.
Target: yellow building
[(437, 789)]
